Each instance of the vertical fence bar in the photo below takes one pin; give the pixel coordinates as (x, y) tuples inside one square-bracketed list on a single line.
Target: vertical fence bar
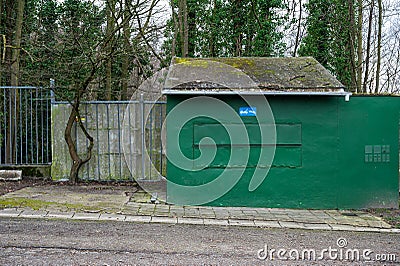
[(108, 140), (15, 126), (5, 118), (130, 142), (1, 130), (36, 123), (6, 113), (9, 128), (10, 133), (48, 120), (5, 126), (87, 141), (76, 136), (26, 128), (20, 124), (31, 123), (150, 140), (52, 101), (1, 135), (119, 142), (142, 122), (161, 146), (97, 140), (41, 125)]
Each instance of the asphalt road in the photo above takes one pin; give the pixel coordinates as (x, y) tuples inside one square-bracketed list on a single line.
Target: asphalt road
[(68, 242)]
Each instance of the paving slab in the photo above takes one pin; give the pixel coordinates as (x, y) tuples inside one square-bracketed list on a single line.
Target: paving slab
[(317, 226), (282, 217), (191, 212), (129, 210), (216, 222), (176, 211), (292, 225), (138, 219), (164, 220), (342, 227), (86, 216), (265, 217), (60, 215), (185, 220), (10, 212), (146, 209), (221, 214), (206, 213), (112, 217), (29, 213), (161, 210), (241, 222), (268, 224)]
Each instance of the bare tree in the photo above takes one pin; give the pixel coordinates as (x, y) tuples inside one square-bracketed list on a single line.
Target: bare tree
[(368, 52), (378, 48), (359, 45), (96, 57)]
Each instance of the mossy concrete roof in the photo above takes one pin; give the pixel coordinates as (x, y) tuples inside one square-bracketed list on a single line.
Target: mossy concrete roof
[(250, 74)]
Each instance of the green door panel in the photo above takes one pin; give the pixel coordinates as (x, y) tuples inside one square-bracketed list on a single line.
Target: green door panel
[(288, 148)]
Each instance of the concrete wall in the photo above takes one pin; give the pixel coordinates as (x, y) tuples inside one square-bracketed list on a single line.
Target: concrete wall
[(117, 146)]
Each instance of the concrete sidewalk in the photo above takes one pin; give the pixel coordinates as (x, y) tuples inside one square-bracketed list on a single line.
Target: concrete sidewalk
[(106, 203)]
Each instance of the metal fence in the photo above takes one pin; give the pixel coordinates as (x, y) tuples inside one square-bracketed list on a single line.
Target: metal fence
[(32, 128), (25, 126)]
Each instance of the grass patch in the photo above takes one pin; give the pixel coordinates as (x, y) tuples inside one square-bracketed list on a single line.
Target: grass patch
[(391, 216), (394, 220), (22, 202), (39, 204)]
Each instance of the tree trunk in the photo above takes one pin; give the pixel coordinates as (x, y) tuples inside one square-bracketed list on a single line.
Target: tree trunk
[(125, 57), (352, 39), (359, 46), (185, 46), (13, 96), (237, 27), (297, 40), (378, 48), (73, 177), (17, 44), (212, 29), (191, 30), (368, 54), (77, 162), (109, 30), (176, 30), (1, 42)]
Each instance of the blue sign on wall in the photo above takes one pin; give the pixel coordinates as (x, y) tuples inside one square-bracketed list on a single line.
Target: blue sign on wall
[(247, 111)]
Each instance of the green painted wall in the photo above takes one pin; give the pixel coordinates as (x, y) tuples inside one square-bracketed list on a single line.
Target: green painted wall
[(329, 154)]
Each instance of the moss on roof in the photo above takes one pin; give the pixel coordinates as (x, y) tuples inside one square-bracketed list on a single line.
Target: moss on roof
[(243, 73)]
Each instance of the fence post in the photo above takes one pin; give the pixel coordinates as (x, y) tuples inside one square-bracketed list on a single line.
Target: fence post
[(142, 132), (52, 86)]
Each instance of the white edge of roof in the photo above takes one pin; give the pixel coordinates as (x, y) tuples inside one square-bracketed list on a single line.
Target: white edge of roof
[(229, 92)]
